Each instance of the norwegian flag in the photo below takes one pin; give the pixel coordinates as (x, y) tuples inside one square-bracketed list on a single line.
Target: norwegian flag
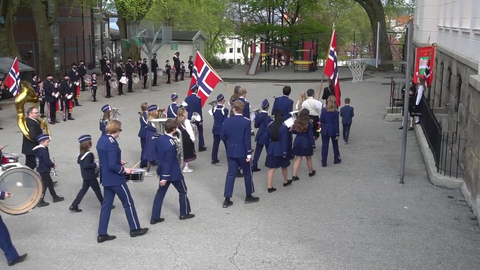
[(428, 74), (12, 80), (205, 77), (331, 68)]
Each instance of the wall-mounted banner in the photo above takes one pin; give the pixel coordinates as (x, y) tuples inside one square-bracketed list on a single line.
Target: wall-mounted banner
[(424, 64)]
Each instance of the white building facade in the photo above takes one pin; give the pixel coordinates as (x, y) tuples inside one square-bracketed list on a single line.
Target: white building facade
[(454, 27), (233, 53)]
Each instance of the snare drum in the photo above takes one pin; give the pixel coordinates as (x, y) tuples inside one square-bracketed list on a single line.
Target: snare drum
[(25, 186), (10, 158), (137, 175)]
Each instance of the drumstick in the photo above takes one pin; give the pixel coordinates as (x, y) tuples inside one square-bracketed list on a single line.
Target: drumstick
[(135, 165)]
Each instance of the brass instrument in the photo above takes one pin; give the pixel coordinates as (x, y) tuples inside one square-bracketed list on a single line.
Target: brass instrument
[(28, 95), (114, 82), (115, 114), (213, 104), (256, 111), (196, 118), (159, 124)]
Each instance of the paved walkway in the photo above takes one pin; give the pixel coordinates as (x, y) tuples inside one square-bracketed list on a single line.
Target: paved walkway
[(353, 215)]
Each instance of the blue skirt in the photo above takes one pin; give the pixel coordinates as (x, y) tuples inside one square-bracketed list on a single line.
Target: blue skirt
[(277, 162), (149, 153)]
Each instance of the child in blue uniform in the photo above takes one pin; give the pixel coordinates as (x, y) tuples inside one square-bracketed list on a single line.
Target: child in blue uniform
[(220, 113), (149, 153), (277, 150), (169, 172), (44, 166), (303, 144), (173, 108), (107, 110), (142, 133), (88, 167), (6, 244), (262, 120)]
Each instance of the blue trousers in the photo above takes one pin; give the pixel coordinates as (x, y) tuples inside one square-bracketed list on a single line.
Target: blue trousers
[(233, 165), (201, 141), (143, 162), (325, 142), (289, 144), (346, 131), (256, 155), (6, 243), (125, 197), (182, 194), (216, 144)]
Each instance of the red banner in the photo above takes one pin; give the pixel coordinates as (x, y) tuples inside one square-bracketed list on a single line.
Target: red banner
[(424, 64)]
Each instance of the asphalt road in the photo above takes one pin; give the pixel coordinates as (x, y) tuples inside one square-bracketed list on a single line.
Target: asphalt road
[(353, 215)]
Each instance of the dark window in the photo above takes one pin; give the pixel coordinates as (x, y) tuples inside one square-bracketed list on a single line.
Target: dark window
[(441, 85), (239, 50), (238, 61), (230, 50), (459, 91)]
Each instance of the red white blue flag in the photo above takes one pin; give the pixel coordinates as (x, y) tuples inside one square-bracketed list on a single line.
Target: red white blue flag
[(204, 77), (12, 80), (331, 68)]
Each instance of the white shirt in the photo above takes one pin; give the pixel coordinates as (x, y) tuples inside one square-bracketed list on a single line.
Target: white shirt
[(188, 127), (313, 106), (419, 95)]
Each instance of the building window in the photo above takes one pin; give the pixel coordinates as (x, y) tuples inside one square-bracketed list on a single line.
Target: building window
[(56, 59), (449, 79), (459, 91), (238, 61), (230, 50), (98, 30), (239, 50), (230, 61)]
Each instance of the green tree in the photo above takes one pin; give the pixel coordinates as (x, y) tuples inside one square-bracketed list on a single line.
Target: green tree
[(7, 42)]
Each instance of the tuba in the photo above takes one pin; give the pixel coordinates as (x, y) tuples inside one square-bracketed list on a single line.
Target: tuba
[(196, 118), (159, 124), (27, 95)]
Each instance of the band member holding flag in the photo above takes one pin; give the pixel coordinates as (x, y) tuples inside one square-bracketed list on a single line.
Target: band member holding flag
[(202, 84), (331, 68)]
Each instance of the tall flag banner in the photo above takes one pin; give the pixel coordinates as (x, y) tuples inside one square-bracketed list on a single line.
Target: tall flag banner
[(205, 78), (12, 80), (331, 68), (424, 64)]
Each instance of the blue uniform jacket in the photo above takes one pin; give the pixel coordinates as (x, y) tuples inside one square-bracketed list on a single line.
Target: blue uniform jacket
[(236, 133), (112, 172), (330, 124), (304, 139), (103, 126), (278, 148), (87, 165), (142, 133), (246, 109), (2, 195), (44, 164), (172, 110), (220, 113), (194, 105), (284, 104), (168, 164), (346, 112), (262, 120)]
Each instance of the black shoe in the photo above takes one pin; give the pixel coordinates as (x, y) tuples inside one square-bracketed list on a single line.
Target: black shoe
[(288, 183), (215, 161), (57, 122), (251, 199), (19, 259), (155, 221), (202, 149), (51, 123), (75, 209), (187, 216), (113, 206), (337, 161), (324, 164), (42, 203), (270, 190), (256, 169), (138, 232), (64, 119), (58, 199), (71, 118), (227, 203), (312, 173), (400, 128), (411, 128), (106, 237), (78, 105), (295, 178)]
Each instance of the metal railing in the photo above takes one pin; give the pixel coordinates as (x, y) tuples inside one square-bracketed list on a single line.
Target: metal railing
[(431, 128), (396, 95)]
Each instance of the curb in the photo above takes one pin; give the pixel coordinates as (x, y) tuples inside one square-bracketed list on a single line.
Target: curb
[(434, 177)]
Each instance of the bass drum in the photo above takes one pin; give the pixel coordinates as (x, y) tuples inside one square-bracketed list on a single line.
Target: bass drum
[(25, 186)]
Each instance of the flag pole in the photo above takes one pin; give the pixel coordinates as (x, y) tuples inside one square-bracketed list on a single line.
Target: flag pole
[(328, 53), (214, 71)]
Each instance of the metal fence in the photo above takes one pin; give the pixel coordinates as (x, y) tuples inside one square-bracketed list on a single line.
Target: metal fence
[(396, 95), (447, 148)]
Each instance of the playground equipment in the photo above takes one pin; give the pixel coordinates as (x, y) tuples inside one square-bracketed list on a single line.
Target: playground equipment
[(302, 55)]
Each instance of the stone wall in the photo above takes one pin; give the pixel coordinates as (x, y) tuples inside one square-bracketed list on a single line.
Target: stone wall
[(456, 90)]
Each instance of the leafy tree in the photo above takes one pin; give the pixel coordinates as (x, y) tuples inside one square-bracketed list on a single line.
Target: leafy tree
[(7, 43)]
